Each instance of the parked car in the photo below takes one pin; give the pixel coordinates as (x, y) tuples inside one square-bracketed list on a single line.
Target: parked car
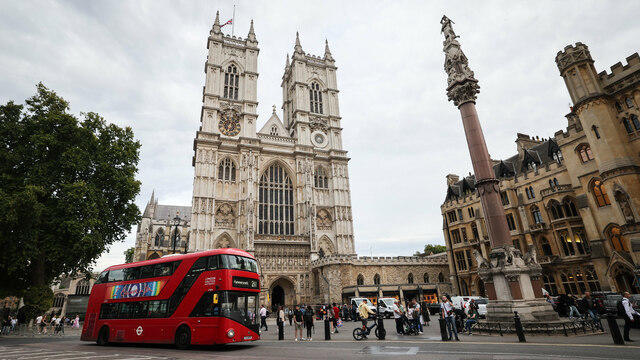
[(606, 302), (480, 302)]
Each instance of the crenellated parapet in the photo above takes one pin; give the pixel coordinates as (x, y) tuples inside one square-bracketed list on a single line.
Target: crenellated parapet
[(436, 259), (573, 55)]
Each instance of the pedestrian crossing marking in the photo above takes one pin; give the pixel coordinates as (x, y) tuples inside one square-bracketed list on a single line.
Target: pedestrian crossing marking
[(31, 353)]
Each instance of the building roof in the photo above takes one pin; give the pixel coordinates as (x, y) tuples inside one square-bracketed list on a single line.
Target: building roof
[(168, 212)]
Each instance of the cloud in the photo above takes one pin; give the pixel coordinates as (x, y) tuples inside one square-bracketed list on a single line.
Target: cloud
[(140, 64)]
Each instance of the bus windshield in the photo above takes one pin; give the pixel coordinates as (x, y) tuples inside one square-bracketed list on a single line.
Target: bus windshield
[(235, 262), (235, 305)]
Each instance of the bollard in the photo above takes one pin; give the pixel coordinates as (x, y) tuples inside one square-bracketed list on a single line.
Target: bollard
[(443, 329), (614, 329), (327, 330), (280, 330), (381, 332), (518, 325)]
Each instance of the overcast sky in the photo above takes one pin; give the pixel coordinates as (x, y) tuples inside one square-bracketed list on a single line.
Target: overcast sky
[(140, 64)]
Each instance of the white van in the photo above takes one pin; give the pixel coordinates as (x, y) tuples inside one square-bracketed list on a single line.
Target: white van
[(462, 302), (387, 306), (358, 300)]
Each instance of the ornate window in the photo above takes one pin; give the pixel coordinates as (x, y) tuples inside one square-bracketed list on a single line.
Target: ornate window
[(460, 262), (581, 242), (58, 300), (584, 151), (627, 126), (159, 238), (83, 287), (274, 130), (537, 216), (464, 234), (595, 131), (555, 182), (526, 190), (545, 246), (614, 234), (455, 236), (511, 222), (321, 180), (568, 283), (410, 278), (625, 205), (315, 98), (464, 288), (635, 122), (504, 197), (566, 242), (227, 170), (557, 156), (376, 279), (592, 279), (569, 208), (231, 80), (556, 210), (425, 278), (618, 107), (275, 202), (360, 280), (533, 194), (440, 278), (474, 230), (629, 102), (599, 193), (550, 284)]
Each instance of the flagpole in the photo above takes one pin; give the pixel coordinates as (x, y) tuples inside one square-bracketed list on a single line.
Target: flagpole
[(233, 20)]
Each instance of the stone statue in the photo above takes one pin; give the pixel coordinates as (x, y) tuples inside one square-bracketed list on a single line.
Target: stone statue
[(480, 260), (531, 257), (449, 34)]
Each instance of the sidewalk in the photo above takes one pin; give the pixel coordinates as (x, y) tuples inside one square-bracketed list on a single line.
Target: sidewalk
[(32, 332)]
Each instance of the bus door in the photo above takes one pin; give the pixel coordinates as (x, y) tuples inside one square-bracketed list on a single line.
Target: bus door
[(206, 317)]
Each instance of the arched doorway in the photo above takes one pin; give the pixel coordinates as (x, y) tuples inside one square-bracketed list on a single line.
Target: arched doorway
[(282, 293), (625, 280)]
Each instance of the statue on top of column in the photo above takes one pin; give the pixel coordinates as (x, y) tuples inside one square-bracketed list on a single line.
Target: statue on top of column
[(462, 85)]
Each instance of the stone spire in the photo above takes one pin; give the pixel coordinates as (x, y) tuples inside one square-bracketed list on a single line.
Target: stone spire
[(462, 86), (252, 35), (327, 52), (216, 24), (286, 65), (297, 49)]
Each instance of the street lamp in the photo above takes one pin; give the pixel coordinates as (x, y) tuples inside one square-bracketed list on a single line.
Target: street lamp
[(186, 244), (176, 222)]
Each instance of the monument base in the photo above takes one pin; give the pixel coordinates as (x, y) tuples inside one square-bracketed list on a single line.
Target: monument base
[(532, 310)]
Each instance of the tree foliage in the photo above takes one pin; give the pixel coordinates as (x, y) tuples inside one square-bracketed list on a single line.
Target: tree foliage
[(430, 249), (67, 186), (128, 255)]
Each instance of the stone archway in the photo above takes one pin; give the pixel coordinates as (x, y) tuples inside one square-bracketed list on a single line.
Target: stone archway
[(624, 279), (282, 292)]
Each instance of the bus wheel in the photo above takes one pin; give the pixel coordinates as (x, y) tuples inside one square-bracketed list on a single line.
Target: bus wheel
[(103, 336), (183, 337)]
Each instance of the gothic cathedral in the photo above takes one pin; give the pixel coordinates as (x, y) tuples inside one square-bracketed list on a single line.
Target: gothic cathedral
[(281, 193)]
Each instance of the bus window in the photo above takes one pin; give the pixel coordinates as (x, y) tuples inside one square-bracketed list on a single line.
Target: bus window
[(157, 308), (109, 311), (213, 262), (103, 277), (163, 269), (206, 306), (116, 275), (146, 271), (131, 273), (140, 309), (199, 266), (126, 310), (235, 262)]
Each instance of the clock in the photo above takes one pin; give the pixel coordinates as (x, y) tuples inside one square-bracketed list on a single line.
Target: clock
[(229, 123), (319, 139)]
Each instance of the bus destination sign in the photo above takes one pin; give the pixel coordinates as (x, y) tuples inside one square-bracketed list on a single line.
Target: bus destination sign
[(245, 283)]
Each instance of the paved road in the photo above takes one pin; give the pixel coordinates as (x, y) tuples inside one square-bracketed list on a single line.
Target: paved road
[(342, 346)]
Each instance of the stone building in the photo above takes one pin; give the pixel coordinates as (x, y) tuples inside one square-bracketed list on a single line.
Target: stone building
[(574, 198), (160, 227), (71, 295)]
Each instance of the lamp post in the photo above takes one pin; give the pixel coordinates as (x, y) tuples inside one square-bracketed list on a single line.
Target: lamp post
[(186, 244), (176, 222)]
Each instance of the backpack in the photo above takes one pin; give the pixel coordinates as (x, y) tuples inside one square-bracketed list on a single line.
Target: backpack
[(620, 308)]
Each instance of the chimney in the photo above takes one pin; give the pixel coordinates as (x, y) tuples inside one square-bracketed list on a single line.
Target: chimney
[(524, 141)]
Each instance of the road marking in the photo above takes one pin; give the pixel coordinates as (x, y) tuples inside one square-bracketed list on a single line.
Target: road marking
[(8, 353), (389, 350)]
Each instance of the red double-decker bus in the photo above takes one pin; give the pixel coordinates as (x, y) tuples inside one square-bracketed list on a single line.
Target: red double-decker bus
[(204, 298)]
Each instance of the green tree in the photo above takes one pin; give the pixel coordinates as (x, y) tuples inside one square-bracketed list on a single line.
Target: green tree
[(67, 187), (431, 249), (128, 255)]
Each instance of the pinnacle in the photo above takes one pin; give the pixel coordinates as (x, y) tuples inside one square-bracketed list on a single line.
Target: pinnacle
[(217, 21), (298, 47), (327, 52), (252, 34)]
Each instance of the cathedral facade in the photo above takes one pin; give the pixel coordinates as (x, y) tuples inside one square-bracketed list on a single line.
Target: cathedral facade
[(281, 192)]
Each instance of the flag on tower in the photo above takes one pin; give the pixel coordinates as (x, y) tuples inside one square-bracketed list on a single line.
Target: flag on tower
[(227, 23)]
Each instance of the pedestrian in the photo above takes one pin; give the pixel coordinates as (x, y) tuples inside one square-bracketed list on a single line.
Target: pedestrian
[(628, 313), (589, 306), (336, 317), (354, 311), (280, 319), (425, 313), (52, 323), (298, 317), (417, 315), (43, 325), (472, 316), (39, 323), (573, 310), (308, 322), (397, 316), (76, 322), (290, 316), (449, 317), (14, 322), (263, 318)]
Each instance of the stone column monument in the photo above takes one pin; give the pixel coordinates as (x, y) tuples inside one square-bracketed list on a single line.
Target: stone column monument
[(513, 281)]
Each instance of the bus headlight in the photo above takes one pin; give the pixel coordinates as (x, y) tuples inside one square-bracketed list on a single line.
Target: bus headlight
[(231, 333)]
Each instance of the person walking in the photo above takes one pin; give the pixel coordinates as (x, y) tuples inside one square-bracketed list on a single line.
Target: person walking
[(263, 318), (449, 317), (281, 319), (472, 316), (76, 322), (336, 317), (397, 316), (589, 306), (629, 313), (573, 310), (290, 316), (39, 323), (417, 315), (297, 320), (308, 322)]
